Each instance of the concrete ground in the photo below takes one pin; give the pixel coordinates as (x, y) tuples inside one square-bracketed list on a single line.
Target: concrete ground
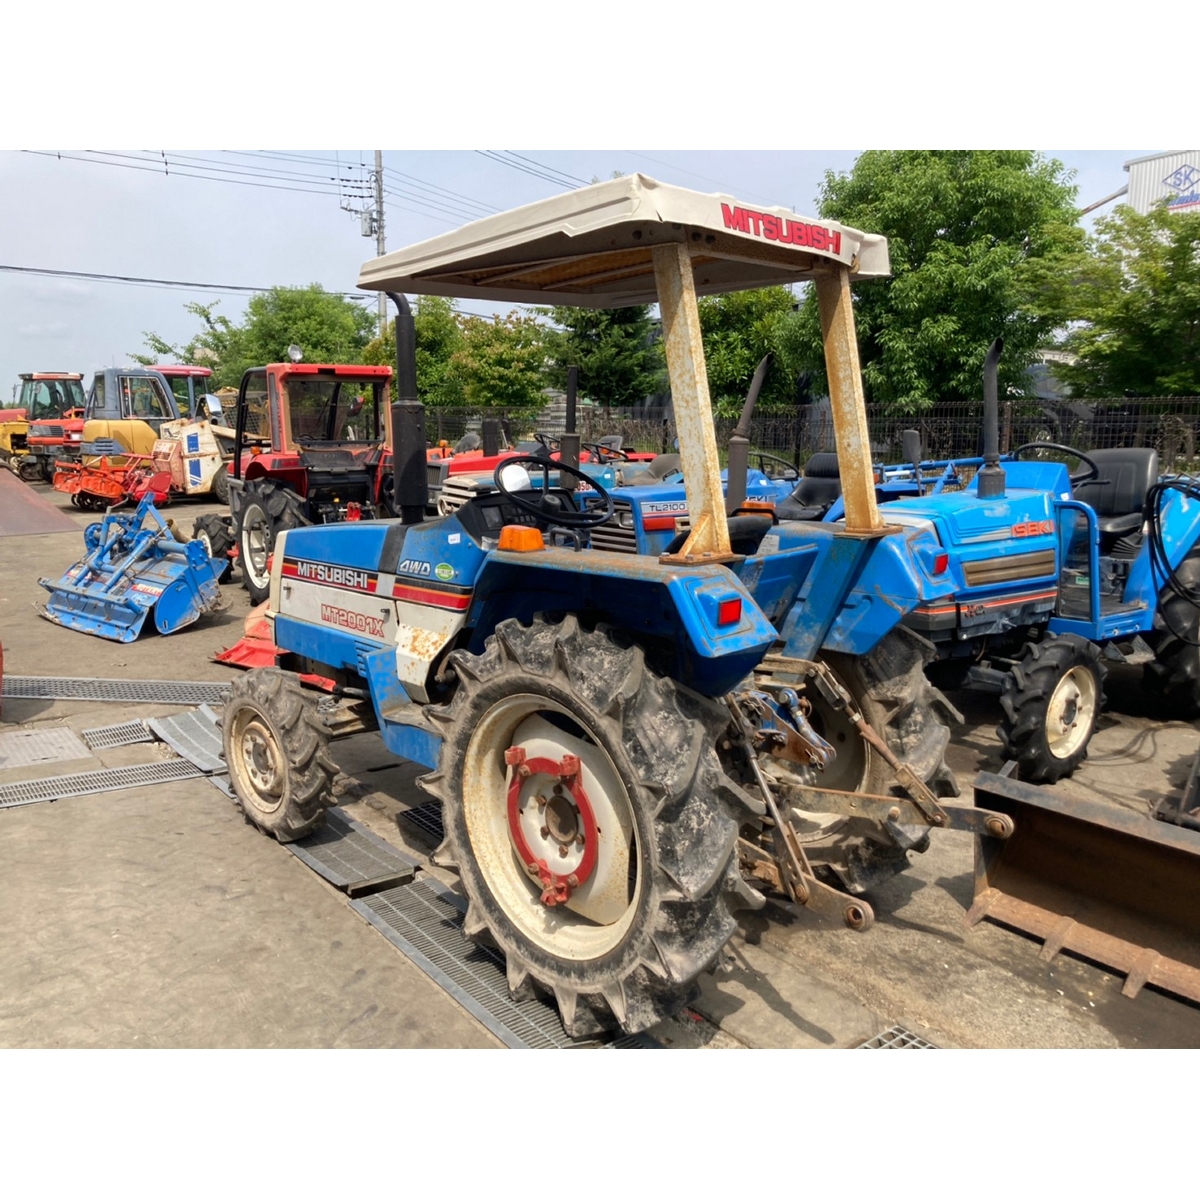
[(156, 916)]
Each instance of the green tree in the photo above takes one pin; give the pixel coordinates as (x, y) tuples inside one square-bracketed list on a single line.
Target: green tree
[(620, 360), (502, 362), (1137, 292), (973, 235), (326, 326), (439, 335), (218, 346), (738, 329)]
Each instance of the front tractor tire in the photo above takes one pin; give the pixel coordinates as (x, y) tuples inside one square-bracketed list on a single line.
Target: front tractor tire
[(267, 509), (585, 813), (215, 533), (1051, 700), (277, 751)]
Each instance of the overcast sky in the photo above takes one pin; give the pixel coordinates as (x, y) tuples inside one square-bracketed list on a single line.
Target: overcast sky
[(149, 214)]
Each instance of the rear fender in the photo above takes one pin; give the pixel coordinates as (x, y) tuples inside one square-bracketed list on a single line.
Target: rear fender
[(672, 609), (1181, 531)]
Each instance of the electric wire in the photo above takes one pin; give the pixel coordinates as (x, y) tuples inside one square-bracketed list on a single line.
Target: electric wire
[(567, 181)]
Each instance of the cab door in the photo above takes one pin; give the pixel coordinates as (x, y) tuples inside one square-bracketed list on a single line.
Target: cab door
[(145, 406)]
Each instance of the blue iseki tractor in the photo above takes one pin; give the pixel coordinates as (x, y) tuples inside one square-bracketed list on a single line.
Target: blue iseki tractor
[(621, 758)]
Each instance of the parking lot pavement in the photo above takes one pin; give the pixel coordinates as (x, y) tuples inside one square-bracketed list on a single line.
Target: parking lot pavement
[(156, 916)]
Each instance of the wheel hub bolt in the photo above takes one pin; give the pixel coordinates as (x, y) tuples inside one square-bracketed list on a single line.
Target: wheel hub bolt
[(562, 852)]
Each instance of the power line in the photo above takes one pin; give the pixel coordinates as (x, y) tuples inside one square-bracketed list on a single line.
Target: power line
[(707, 178), (545, 167), (568, 181)]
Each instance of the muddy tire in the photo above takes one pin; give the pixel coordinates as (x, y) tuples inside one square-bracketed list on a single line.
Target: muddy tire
[(652, 908), (1051, 700), (216, 533), (911, 715), (267, 509), (1173, 678), (220, 485), (29, 470), (276, 748)]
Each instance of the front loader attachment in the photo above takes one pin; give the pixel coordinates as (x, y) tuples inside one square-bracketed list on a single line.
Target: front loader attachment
[(1111, 885), (134, 568)]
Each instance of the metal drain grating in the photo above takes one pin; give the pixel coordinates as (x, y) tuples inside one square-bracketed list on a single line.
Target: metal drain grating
[(193, 735), (108, 737), (32, 747), (144, 691), (428, 819), (87, 783), (897, 1038), (352, 858), (424, 921)]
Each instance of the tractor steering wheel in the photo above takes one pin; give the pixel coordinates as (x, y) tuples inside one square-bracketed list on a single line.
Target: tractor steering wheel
[(604, 453), (789, 469), (1082, 476), (567, 518), (545, 439)]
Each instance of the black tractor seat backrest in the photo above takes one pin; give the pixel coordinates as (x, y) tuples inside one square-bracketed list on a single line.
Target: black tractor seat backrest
[(1126, 475), (821, 483)]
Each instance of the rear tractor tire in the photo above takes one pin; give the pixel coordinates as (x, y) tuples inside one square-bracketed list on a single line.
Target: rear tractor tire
[(1051, 700), (267, 509), (585, 812), (1173, 678), (220, 485), (897, 700), (276, 747), (216, 533)]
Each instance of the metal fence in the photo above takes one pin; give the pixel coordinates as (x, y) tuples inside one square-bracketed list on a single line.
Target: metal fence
[(954, 430)]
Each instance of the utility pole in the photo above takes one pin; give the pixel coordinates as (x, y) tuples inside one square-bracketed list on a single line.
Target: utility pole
[(380, 242)]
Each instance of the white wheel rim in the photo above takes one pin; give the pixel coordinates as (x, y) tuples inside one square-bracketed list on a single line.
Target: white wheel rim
[(257, 761), (599, 913), (254, 547), (1071, 712), (206, 542)]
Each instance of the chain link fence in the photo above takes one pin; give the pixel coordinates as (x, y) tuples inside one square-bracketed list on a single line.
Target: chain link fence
[(1171, 425)]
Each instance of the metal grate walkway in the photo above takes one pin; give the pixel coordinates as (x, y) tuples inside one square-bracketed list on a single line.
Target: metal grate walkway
[(428, 819), (108, 737), (424, 921), (87, 783), (352, 858), (896, 1038), (145, 691), (193, 735)]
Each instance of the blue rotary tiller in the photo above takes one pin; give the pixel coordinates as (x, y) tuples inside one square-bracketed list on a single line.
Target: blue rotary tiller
[(134, 567)]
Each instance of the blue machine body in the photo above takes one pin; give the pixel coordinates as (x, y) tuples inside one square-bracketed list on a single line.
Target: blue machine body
[(387, 602), (134, 568)]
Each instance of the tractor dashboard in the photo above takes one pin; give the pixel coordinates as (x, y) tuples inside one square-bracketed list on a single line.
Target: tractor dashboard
[(488, 513)]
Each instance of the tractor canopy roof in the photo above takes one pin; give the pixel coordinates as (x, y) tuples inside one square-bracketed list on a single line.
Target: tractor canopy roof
[(51, 375), (357, 370), (175, 369), (591, 248)]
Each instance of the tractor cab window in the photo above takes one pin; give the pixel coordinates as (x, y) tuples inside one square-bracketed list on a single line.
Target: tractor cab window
[(95, 400), (144, 398), (181, 385), (51, 397), (340, 409)]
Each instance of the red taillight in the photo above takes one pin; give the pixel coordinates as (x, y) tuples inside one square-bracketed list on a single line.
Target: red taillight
[(941, 564), (655, 524), (729, 612)]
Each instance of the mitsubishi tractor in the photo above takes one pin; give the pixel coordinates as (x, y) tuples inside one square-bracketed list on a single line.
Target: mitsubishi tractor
[(621, 745)]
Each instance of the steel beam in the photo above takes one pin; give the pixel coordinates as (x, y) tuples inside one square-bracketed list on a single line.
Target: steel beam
[(846, 397), (709, 537)]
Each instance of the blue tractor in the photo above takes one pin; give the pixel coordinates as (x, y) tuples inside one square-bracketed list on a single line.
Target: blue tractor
[(1029, 579), (621, 759)]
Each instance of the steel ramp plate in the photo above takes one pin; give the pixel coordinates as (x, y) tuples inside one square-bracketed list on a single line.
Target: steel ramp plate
[(87, 783), (428, 819), (352, 858), (424, 921), (193, 735), (28, 747), (108, 737), (896, 1038), (137, 691)]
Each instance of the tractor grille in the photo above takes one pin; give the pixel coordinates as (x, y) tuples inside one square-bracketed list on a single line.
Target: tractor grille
[(614, 535), (435, 472), (46, 431), (1010, 568), (456, 491)]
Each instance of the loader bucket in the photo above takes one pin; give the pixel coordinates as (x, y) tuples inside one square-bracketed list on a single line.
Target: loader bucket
[(134, 568), (1111, 885)]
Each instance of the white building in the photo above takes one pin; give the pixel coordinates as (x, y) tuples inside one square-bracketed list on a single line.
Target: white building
[(1174, 177)]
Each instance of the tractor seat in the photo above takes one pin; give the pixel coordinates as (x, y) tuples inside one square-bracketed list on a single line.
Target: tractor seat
[(660, 467), (819, 487), (1118, 494)]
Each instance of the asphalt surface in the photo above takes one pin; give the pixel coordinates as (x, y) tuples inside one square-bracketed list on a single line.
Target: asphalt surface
[(157, 917)]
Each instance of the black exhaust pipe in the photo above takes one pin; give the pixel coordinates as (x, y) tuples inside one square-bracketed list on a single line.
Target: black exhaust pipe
[(991, 478), (409, 476), (739, 441), (568, 445)]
